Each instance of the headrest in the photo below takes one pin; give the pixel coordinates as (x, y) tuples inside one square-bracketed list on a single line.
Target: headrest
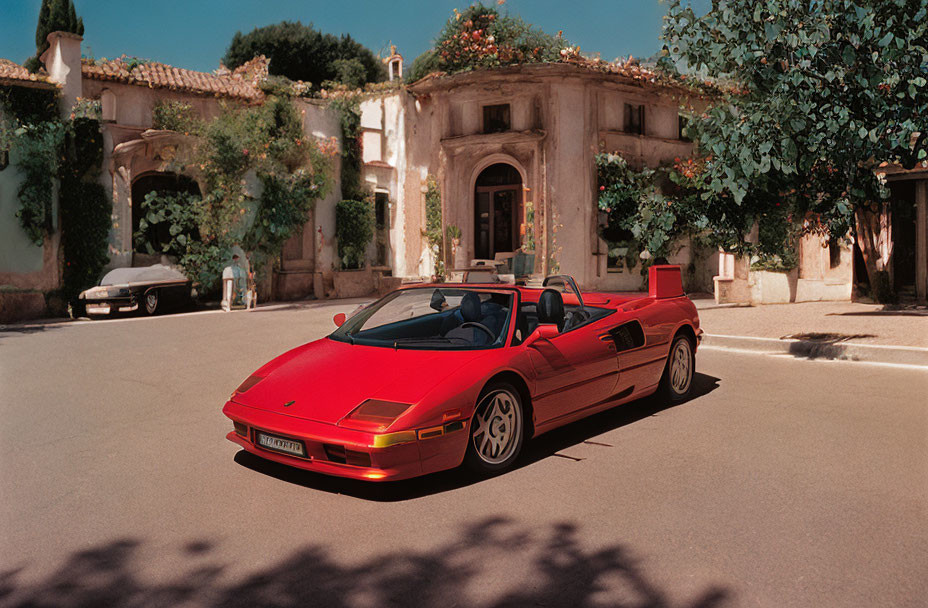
[(551, 307), (470, 307)]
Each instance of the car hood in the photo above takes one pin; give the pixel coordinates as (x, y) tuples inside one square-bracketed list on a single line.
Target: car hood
[(326, 379)]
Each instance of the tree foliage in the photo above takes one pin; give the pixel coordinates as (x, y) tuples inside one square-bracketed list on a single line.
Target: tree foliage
[(823, 92), (301, 52), (482, 37)]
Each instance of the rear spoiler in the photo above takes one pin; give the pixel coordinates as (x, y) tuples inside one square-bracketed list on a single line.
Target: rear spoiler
[(665, 282)]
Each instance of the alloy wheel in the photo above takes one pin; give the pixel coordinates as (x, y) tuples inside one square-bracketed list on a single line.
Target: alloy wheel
[(497, 427), (681, 367)]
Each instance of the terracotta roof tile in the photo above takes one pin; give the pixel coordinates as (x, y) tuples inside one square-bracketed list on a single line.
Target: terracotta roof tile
[(13, 73), (241, 83)]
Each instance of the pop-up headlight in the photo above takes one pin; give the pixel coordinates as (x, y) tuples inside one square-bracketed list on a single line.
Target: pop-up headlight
[(374, 415), (249, 382)]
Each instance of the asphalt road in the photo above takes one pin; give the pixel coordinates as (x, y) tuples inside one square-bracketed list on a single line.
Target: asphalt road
[(784, 483)]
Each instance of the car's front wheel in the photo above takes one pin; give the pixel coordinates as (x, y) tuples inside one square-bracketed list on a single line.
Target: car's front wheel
[(497, 430), (150, 302)]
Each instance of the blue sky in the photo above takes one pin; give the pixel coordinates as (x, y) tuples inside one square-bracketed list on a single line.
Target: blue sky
[(195, 33)]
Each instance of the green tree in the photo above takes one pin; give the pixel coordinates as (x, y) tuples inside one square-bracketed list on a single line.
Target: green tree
[(820, 94), (54, 16), (301, 52)]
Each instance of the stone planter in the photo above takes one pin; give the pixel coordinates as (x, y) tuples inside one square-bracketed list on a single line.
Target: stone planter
[(769, 287), (354, 283)]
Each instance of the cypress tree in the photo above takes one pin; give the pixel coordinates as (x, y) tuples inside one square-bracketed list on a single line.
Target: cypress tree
[(54, 16), (41, 29)]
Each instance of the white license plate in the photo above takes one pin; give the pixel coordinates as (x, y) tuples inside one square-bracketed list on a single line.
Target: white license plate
[(98, 309), (279, 444)]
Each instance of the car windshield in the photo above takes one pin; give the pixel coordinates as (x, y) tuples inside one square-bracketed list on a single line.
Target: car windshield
[(432, 318), (158, 272)]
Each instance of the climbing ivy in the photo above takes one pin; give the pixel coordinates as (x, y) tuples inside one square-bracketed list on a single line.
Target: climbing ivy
[(433, 231), (347, 103), (266, 142)]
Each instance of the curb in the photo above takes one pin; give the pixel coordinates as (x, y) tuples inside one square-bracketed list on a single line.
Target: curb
[(813, 349)]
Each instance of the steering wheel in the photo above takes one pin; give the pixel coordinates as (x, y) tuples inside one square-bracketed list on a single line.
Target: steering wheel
[(479, 326)]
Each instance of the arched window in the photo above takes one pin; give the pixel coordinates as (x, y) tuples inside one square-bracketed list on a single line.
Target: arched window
[(108, 105)]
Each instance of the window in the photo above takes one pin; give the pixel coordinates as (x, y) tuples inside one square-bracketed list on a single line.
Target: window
[(380, 209), (682, 123), (381, 222), (634, 118), (834, 252), (496, 118), (108, 105)]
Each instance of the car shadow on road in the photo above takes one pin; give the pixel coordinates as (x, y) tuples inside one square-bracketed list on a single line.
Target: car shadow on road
[(563, 569), (546, 446)]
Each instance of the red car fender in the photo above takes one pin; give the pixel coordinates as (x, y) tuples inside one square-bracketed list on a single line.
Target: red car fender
[(455, 399)]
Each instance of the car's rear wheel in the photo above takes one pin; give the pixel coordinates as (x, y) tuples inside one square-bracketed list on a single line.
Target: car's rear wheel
[(150, 302), (497, 430), (677, 381)]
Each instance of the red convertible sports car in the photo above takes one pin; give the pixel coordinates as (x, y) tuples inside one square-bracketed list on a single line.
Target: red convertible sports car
[(433, 376)]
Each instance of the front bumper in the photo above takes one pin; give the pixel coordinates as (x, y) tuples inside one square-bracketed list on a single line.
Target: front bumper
[(109, 305), (402, 461)]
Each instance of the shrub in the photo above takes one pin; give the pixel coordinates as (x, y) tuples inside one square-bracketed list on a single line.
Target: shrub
[(482, 37), (176, 116), (354, 230), (85, 219), (170, 222)]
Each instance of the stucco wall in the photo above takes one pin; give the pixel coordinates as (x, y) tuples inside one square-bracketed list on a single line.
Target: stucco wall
[(134, 104), (322, 122), (24, 265)]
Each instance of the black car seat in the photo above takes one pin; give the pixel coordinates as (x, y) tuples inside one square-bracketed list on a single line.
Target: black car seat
[(494, 316), (470, 313), (551, 308), (576, 318)]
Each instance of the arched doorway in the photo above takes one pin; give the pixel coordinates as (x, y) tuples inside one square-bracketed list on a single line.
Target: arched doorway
[(498, 211), (141, 187)]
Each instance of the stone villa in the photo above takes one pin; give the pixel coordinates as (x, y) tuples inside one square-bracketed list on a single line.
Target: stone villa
[(498, 142)]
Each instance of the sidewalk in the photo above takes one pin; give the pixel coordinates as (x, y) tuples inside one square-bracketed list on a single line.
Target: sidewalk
[(834, 330)]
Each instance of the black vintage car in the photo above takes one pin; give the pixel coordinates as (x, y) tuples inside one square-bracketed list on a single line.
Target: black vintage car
[(149, 289)]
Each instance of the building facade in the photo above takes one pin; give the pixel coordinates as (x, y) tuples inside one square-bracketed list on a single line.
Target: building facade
[(513, 151)]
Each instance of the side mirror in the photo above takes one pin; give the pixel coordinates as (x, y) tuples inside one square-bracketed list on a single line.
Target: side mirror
[(339, 319), (542, 332)]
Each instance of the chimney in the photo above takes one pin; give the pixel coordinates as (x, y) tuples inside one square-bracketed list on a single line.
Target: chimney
[(62, 61)]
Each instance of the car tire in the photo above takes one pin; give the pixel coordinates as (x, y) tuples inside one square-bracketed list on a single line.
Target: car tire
[(677, 381), (150, 302), (497, 430)]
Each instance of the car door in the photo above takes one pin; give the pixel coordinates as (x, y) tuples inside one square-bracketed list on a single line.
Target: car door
[(574, 370)]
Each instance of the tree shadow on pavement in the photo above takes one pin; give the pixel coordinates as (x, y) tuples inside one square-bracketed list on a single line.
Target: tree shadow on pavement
[(479, 566), (543, 447), (23, 329), (881, 313)]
